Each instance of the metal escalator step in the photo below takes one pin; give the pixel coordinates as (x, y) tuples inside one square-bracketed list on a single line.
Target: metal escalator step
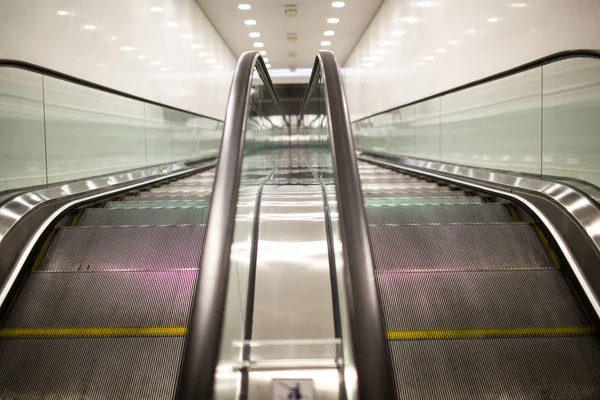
[(90, 368), (181, 190), (156, 204), (478, 299), (399, 188), (457, 247), (104, 299), (538, 368), (439, 214), (166, 197), (444, 192), (405, 201), (124, 248), (143, 217)]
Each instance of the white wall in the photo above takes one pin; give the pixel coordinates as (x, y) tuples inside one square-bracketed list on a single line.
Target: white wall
[(416, 48), (178, 58)]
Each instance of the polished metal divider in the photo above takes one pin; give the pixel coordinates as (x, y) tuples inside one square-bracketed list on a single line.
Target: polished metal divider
[(201, 352)]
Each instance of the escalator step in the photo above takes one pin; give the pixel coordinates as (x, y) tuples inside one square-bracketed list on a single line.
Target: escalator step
[(400, 188), (537, 368), (405, 201), (165, 197), (177, 204), (181, 190), (458, 247), (439, 214), (104, 299), (90, 368), (442, 192), (124, 248), (477, 299), (143, 217)]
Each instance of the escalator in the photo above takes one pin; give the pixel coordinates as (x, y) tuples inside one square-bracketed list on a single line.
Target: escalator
[(103, 311), (476, 303)]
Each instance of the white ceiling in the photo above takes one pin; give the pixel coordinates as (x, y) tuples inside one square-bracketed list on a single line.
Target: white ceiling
[(273, 26)]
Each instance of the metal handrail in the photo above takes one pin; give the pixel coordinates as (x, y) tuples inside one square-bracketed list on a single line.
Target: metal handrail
[(540, 62), (201, 352), (369, 343), (82, 82)]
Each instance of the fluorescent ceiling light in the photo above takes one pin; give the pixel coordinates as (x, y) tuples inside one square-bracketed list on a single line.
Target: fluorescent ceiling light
[(172, 24), (250, 22), (338, 4), (156, 9), (493, 19), (155, 63), (211, 61), (368, 65), (164, 69), (518, 5), (89, 27), (259, 44), (254, 34), (196, 46), (453, 42), (328, 33), (440, 51), (333, 20), (244, 7), (397, 33), (203, 54), (142, 56), (186, 36), (62, 13), (263, 53), (127, 48), (471, 31), (325, 43), (429, 58)]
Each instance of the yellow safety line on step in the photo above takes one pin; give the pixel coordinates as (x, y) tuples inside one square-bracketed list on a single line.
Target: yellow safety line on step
[(95, 331), (489, 332)]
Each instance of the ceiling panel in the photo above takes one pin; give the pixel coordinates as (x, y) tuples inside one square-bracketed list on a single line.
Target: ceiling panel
[(274, 26)]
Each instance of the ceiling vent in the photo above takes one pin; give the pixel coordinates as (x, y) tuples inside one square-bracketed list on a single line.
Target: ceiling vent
[(292, 37), (291, 10)]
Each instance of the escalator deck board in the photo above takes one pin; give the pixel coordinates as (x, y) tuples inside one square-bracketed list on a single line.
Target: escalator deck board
[(538, 368), (478, 300), (143, 217), (458, 247), (104, 299), (124, 248), (90, 368), (439, 214)]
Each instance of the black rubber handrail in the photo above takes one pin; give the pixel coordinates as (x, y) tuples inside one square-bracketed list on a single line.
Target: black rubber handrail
[(369, 343), (203, 343), (561, 55), (82, 82)]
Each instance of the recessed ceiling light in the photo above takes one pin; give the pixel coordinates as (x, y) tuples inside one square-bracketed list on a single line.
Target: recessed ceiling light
[(263, 53), (397, 33), (325, 43), (89, 27), (429, 58), (186, 36), (338, 4), (155, 63), (387, 43), (127, 48), (259, 44), (328, 33), (440, 51), (62, 13), (410, 20), (333, 20), (164, 69), (250, 22), (142, 56), (203, 54), (518, 5), (196, 46), (113, 38), (453, 42), (268, 65), (156, 9), (493, 19), (217, 66), (211, 61), (266, 59), (244, 7), (471, 31), (254, 34), (172, 24)]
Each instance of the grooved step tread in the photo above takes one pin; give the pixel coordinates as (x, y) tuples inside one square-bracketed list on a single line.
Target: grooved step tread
[(143, 217), (128, 205), (124, 248), (458, 247), (408, 201), (442, 214)]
